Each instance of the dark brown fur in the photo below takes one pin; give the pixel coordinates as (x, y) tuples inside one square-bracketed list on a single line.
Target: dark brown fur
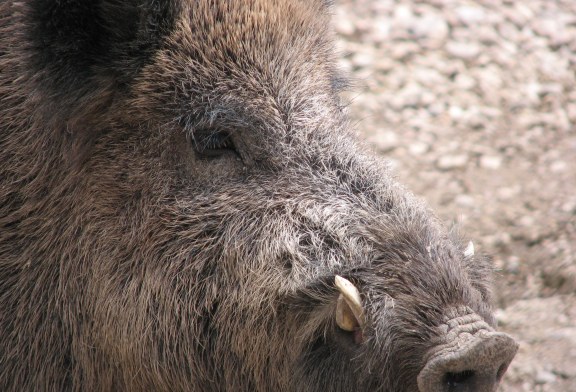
[(129, 261)]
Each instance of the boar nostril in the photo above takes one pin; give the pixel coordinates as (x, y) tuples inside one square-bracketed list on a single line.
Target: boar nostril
[(456, 380)]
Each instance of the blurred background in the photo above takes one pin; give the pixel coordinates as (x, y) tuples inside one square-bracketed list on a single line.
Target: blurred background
[(474, 104)]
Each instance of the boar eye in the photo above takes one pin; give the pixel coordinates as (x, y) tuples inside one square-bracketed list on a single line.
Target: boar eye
[(212, 143)]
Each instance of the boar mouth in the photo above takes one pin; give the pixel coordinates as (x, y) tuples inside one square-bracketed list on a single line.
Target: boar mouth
[(474, 358)]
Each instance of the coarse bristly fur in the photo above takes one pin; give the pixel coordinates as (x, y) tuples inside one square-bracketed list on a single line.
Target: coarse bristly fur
[(141, 252)]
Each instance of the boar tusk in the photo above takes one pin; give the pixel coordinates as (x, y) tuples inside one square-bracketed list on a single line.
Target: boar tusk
[(469, 251), (349, 311), (345, 319)]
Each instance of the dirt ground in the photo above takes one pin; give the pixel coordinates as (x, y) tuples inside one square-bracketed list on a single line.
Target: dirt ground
[(474, 103)]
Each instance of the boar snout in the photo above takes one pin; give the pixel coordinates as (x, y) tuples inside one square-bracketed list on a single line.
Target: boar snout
[(474, 358)]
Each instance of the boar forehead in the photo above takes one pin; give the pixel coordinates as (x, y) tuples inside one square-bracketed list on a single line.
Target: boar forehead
[(246, 65)]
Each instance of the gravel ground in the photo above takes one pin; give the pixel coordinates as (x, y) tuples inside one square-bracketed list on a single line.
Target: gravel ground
[(474, 103)]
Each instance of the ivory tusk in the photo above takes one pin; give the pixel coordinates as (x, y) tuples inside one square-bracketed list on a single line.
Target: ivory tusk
[(349, 296), (469, 251)]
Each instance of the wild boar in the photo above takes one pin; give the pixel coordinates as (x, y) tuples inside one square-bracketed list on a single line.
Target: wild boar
[(184, 207)]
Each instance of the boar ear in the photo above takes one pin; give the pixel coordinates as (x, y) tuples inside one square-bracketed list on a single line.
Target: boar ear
[(349, 310), (75, 40)]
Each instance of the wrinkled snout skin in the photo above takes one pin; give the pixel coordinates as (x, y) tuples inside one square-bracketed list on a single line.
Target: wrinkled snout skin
[(179, 189), (473, 357)]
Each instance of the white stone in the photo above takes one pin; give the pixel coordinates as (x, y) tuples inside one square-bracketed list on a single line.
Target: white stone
[(558, 167), (465, 200), (363, 59), (418, 148), (470, 14), (380, 31), (456, 112), (450, 162), (431, 26), (463, 50), (465, 81), (403, 15), (343, 24), (545, 377), (491, 162), (384, 141)]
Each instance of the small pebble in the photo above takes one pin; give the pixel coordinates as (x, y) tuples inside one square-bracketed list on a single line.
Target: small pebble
[(418, 149), (463, 50), (450, 162), (385, 141), (491, 162), (470, 15), (545, 377)]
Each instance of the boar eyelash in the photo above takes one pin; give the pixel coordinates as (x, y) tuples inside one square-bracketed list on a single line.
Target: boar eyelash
[(211, 142)]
